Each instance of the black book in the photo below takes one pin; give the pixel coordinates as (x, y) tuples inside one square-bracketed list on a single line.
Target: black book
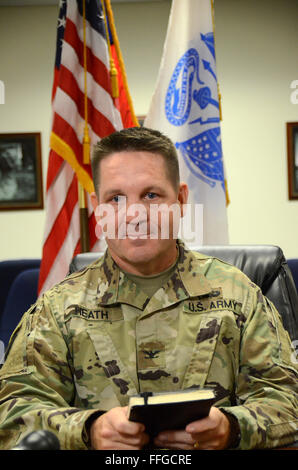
[(170, 410)]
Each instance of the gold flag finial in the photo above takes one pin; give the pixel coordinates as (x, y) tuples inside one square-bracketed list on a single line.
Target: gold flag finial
[(114, 79)]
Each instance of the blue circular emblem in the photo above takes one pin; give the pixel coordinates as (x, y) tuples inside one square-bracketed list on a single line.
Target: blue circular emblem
[(179, 93)]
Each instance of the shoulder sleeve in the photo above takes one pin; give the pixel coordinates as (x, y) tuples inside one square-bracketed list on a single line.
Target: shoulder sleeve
[(36, 383), (267, 382)]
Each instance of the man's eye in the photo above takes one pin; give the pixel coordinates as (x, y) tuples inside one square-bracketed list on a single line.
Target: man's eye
[(151, 195), (118, 199)]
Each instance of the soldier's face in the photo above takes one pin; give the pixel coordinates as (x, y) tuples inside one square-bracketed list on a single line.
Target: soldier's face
[(135, 195)]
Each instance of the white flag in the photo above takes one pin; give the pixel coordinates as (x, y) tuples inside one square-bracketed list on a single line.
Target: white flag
[(185, 107)]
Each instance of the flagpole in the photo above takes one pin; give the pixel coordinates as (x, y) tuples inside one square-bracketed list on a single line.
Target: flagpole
[(113, 70), (218, 90), (84, 223), (219, 100)]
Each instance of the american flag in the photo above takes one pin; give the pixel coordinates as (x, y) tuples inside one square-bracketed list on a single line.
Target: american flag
[(105, 115)]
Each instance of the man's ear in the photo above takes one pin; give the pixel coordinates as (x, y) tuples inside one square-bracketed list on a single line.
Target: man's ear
[(182, 197), (94, 202)]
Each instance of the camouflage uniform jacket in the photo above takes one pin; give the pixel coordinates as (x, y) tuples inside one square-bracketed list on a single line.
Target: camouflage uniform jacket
[(95, 339)]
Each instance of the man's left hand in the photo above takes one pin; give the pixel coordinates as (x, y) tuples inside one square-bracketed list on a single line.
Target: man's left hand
[(212, 432)]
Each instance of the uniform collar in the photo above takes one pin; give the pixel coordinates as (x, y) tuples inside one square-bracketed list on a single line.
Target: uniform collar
[(188, 280), (192, 272)]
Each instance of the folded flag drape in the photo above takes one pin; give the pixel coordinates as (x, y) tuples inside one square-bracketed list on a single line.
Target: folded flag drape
[(186, 107)]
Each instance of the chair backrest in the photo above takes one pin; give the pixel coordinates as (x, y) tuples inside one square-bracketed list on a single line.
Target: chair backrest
[(9, 269), (22, 294), (293, 265), (265, 265)]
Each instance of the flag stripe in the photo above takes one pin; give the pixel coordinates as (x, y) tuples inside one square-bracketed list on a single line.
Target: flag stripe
[(55, 201), (55, 83), (61, 147), (67, 110), (60, 263), (54, 167), (59, 229), (62, 128), (94, 40), (98, 120), (99, 71)]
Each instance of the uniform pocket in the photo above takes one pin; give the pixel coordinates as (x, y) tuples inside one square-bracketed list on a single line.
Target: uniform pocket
[(203, 351), (18, 360), (113, 367)]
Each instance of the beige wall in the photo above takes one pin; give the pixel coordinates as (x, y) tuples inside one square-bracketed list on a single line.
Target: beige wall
[(27, 52), (257, 53), (257, 57)]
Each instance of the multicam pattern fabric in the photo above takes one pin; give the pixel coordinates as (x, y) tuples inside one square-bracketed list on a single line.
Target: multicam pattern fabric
[(96, 339)]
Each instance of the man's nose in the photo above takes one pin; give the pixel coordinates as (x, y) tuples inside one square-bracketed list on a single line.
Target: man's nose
[(136, 212)]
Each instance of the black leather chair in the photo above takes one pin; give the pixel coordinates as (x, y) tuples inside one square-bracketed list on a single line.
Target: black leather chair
[(9, 270), (21, 295), (265, 265), (293, 265)]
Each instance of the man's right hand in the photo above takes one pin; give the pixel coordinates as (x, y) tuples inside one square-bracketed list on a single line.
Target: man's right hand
[(113, 431)]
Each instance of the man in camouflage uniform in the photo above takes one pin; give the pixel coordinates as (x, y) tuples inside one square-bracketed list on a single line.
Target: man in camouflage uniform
[(150, 315)]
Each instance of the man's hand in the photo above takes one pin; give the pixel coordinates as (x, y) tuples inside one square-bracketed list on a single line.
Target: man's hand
[(113, 431), (212, 432)]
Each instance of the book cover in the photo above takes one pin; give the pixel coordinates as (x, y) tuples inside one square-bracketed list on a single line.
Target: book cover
[(170, 410)]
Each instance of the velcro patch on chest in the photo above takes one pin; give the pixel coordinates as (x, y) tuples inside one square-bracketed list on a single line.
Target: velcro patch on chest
[(110, 314), (151, 355), (211, 304)]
